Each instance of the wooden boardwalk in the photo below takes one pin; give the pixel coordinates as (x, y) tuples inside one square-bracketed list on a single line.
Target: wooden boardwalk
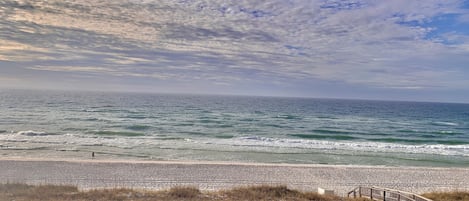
[(385, 194)]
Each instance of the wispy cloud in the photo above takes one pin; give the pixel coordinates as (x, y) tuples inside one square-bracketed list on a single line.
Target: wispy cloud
[(464, 18), (72, 69), (380, 44), (9, 79)]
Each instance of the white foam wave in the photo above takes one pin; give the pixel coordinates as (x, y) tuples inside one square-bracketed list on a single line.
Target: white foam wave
[(447, 132), (443, 123), (32, 133), (31, 137), (435, 149), (253, 142)]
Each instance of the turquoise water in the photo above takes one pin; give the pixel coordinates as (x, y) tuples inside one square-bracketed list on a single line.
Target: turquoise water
[(231, 128)]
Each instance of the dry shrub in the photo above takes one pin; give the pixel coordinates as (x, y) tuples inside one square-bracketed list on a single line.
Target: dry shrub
[(106, 194), (265, 192), (29, 192), (184, 192), (258, 192), (448, 196)]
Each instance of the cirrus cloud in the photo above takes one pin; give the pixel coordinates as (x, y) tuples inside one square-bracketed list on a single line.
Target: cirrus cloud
[(222, 45)]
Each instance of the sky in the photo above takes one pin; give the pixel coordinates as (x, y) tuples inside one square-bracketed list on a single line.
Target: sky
[(415, 50)]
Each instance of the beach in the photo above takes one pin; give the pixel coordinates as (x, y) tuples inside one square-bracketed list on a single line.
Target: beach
[(155, 175), (152, 141)]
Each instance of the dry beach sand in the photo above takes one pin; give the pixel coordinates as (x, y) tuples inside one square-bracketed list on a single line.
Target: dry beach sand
[(212, 175)]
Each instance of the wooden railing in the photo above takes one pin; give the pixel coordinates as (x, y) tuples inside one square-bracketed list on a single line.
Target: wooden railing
[(385, 194)]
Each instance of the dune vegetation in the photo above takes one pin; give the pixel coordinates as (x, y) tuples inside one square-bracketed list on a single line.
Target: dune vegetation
[(448, 196), (23, 192)]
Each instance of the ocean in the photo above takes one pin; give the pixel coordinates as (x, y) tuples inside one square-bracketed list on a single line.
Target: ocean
[(133, 126)]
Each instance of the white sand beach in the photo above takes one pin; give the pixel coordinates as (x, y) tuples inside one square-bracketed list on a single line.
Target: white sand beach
[(212, 175)]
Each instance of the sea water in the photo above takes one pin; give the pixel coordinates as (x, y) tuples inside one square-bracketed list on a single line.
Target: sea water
[(136, 126)]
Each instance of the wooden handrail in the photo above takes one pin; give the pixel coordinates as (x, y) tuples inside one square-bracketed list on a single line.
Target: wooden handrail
[(385, 194)]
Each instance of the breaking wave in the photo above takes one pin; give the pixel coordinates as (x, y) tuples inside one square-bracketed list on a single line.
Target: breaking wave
[(365, 146), (32, 133)]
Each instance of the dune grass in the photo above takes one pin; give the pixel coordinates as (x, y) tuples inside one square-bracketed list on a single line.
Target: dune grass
[(23, 192), (272, 193), (448, 196)]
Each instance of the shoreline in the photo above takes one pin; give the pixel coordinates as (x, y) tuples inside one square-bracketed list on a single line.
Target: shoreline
[(209, 175), (222, 163)]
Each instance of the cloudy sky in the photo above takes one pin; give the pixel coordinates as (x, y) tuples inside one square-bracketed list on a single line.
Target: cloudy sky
[(368, 49)]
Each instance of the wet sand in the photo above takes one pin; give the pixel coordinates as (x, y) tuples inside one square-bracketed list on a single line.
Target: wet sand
[(88, 174)]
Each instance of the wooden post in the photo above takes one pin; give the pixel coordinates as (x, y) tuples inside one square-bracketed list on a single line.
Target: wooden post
[(398, 197), (360, 191), (384, 195), (371, 193)]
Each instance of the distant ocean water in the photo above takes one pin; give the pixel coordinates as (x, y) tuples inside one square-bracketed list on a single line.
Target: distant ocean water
[(231, 128)]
